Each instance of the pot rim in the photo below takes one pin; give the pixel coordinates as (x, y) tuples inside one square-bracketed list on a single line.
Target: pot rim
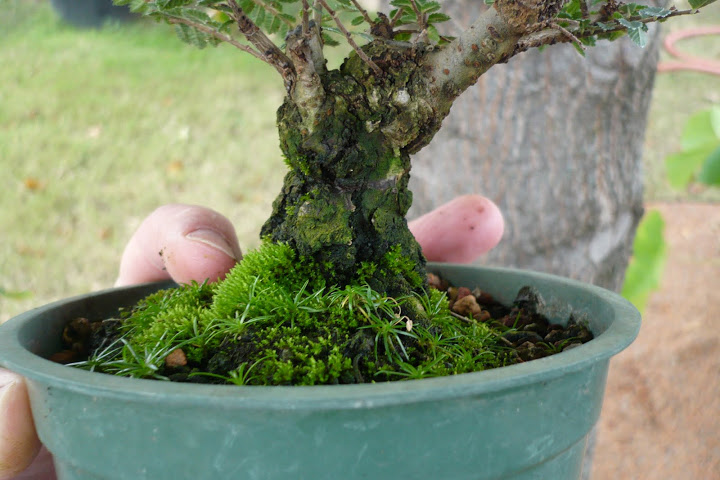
[(621, 332)]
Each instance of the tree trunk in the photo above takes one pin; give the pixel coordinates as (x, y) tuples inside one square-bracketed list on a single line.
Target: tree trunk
[(344, 201), (556, 140)]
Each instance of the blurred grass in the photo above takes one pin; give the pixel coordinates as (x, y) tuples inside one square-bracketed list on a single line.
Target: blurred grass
[(99, 127)]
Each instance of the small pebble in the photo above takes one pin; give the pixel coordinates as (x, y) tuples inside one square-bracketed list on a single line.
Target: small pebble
[(176, 358)]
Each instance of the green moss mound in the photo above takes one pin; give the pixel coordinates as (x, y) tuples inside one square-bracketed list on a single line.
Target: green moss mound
[(275, 320)]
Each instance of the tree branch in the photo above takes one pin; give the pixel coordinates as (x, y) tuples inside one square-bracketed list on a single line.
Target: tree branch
[(555, 35), (271, 53), (349, 38), (363, 12), (458, 65), (305, 51), (220, 36)]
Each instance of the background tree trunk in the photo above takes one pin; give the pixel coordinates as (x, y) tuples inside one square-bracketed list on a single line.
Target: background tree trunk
[(556, 141)]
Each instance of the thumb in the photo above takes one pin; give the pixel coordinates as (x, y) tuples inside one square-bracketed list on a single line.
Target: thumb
[(19, 443), (181, 242)]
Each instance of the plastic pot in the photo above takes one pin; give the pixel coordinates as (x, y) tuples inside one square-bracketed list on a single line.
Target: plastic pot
[(526, 421)]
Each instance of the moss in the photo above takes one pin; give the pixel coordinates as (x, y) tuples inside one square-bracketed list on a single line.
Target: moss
[(275, 321)]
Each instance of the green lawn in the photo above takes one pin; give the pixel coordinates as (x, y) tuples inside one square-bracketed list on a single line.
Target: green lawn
[(97, 128)]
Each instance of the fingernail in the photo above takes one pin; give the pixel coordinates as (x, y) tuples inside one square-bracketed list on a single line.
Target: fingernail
[(213, 239)]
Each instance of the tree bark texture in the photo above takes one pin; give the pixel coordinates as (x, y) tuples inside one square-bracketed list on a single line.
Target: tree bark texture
[(556, 140)]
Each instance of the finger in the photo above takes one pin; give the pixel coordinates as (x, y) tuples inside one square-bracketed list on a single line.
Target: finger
[(180, 242), (19, 443), (460, 230)]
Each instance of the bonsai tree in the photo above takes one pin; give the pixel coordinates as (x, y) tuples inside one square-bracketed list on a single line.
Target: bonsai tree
[(347, 277), (347, 134)]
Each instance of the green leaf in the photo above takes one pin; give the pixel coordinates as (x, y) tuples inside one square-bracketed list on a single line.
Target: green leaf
[(579, 49), (700, 129), (328, 40), (430, 7), (196, 15), (401, 4), (247, 6), (438, 18), (433, 35), (710, 172), (682, 167), (571, 10), (630, 8), (172, 3), (357, 20), (700, 3), (654, 12), (636, 31), (648, 261), (590, 41), (190, 35)]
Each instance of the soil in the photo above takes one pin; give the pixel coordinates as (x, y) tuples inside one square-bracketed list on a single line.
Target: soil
[(661, 416)]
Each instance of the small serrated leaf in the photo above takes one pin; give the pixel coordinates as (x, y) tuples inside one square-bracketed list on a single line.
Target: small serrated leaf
[(401, 4), (430, 7), (259, 16), (654, 12), (579, 49), (190, 35), (438, 18), (247, 6), (590, 41), (196, 15), (329, 41), (636, 32), (433, 35)]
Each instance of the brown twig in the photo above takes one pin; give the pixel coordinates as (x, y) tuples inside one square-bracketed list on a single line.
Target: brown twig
[(305, 17), (270, 52), (554, 35), (568, 34), (363, 12), (349, 38), (418, 14), (396, 17), (220, 36), (317, 16)]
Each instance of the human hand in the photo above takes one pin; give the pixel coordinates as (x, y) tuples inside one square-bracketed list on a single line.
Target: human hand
[(185, 243)]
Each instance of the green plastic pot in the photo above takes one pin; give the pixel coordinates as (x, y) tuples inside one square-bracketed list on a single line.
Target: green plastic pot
[(526, 421)]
